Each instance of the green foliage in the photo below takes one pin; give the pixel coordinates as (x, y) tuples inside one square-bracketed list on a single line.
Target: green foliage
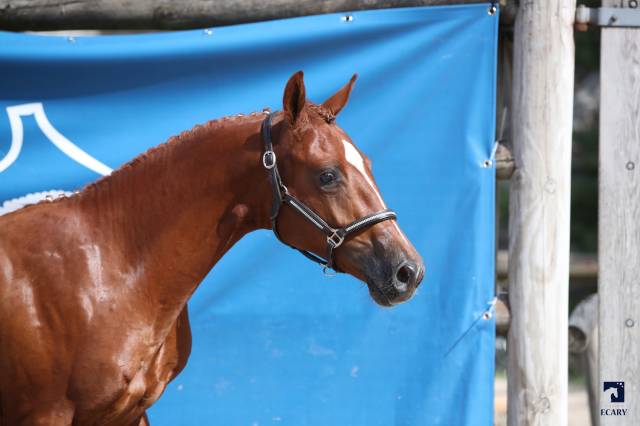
[(584, 184), (584, 192)]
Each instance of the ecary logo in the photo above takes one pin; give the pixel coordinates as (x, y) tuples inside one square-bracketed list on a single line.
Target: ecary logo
[(614, 391)]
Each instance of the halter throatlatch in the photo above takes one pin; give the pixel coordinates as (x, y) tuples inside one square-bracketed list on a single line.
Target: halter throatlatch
[(335, 236)]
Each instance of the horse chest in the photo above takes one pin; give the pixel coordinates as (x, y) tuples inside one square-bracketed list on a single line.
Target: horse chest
[(142, 387), (136, 384)]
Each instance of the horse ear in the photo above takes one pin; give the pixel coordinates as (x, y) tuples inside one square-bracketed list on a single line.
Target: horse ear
[(336, 102), (294, 96)]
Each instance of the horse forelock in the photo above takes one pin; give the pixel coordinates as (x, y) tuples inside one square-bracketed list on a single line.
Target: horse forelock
[(323, 112)]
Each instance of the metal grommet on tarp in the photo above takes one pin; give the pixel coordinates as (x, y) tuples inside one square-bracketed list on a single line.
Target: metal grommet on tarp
[(493, 8)]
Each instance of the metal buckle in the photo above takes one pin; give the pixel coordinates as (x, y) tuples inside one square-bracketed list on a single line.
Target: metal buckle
[(335, 239), (265, 163)]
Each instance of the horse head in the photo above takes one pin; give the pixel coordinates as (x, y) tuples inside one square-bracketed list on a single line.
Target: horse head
[(324, 170)]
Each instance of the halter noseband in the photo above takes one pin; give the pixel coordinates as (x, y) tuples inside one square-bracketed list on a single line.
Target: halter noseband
[(335, 236)]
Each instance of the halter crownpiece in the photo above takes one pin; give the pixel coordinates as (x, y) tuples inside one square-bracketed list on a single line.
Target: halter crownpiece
[(335, 236)]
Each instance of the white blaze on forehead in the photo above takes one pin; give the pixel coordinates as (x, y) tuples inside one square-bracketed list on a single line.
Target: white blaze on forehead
[(355, 159)]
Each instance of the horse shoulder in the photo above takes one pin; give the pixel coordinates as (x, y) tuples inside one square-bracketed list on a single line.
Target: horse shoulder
[(33, 316)]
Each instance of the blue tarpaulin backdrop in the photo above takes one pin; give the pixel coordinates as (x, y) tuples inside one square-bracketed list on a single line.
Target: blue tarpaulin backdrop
[(276, 343)]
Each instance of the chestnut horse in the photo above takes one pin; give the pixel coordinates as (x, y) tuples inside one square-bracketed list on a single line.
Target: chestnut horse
[(94, 287)]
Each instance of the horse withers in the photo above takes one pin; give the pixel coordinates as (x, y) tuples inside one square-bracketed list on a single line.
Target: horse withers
[(93, 287)]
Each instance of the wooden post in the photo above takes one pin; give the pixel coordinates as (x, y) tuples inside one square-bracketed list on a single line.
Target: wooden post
[(583, 341), (619, 218), (542, 106)]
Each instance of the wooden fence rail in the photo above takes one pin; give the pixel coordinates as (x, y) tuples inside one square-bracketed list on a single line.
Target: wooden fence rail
[(43, 15)]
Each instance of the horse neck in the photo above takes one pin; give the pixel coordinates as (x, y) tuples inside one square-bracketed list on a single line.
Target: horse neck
[(174, 211)]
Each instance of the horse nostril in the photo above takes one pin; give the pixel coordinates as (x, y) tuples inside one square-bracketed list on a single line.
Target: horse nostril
[(406, 273)]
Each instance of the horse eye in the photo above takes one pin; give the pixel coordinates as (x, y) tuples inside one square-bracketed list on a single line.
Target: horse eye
[(327, 178)]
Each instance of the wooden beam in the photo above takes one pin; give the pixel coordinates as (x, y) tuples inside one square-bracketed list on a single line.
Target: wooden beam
[(583, 324), (542, 112), (503, 317), (619, 217), (504, 162), (581, 265), (583, 341), (45, 15)]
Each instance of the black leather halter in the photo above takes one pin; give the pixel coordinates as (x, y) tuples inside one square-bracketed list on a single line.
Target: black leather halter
[(335, 236)]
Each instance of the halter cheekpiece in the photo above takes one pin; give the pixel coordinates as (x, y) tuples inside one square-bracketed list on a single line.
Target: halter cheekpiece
[(335, 236)]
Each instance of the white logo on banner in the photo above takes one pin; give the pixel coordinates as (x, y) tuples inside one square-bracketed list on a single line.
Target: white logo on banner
[(59, 141), (62, 143)]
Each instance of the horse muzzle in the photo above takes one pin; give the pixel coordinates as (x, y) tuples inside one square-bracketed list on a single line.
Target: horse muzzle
[(393, 285)]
